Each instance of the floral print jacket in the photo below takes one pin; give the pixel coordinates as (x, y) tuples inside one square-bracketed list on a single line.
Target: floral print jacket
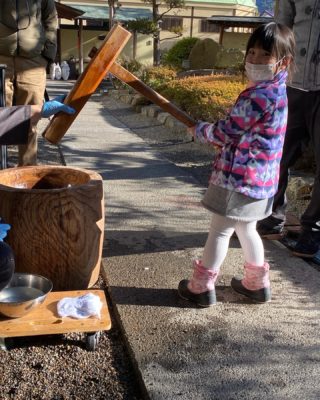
[(250, 140)]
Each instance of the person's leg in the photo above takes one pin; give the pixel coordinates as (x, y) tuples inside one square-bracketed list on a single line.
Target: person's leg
[(309, 240), (255, 284), (29, 89), (8, 98), (9, 78), (250, 242), (200, 288), (217, 244), (296, 138)]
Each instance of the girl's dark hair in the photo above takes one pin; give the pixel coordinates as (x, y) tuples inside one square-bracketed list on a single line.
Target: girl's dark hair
[(275, 38)]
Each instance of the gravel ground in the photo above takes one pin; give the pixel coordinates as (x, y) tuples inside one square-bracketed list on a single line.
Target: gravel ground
[(58, 367)]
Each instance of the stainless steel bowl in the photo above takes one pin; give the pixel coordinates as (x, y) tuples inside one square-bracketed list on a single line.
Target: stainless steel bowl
[(23, 294)]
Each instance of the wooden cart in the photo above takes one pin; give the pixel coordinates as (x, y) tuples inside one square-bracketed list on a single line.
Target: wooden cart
[(44, 320)]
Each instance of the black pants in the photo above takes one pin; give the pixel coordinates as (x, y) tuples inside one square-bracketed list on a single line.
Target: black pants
[(303, 127)]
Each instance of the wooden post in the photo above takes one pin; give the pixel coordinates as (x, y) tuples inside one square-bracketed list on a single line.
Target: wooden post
[(134, 45), (191, 21), (221, 34), (80, 45)]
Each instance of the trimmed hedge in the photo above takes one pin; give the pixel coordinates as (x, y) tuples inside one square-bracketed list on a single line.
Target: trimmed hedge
[(207, 98), (203, 97), (157, 76)]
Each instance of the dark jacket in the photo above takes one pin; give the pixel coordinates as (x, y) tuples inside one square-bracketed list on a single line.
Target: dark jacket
[(302, 16), (14, 125), (28, 28)]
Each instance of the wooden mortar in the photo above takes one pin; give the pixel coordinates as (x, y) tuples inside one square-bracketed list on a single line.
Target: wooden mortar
[(56, 215)]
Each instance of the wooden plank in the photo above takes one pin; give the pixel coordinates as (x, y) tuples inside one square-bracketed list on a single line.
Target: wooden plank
[(131, 80), (88, 82), (44, 319)]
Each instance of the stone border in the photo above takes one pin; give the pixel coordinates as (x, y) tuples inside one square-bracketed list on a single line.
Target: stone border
[(138, 103)]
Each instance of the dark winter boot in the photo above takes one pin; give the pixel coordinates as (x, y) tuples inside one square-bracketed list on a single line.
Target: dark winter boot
[(255, 284), (200, 288)]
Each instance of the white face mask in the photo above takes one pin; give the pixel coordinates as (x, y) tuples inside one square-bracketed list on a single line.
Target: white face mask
[(260, 72)]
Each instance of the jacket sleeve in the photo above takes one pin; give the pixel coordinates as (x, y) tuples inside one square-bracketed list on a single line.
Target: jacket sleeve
[(50, 24), (285, 13), (14, 125), (242, 118)]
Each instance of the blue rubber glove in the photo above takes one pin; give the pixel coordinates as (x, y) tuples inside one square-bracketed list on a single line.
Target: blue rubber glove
[(54, 106), (3, 230)]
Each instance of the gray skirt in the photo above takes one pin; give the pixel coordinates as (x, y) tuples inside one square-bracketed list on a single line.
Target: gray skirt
[(236, 205)]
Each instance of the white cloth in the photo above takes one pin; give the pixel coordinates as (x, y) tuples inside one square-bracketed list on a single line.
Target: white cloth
[(88, 305)]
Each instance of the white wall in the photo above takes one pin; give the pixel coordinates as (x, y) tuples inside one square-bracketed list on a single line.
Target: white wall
[(144, 52)]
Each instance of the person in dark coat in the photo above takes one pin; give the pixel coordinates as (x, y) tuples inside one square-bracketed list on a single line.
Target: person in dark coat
[(303, 127), (28, 42)]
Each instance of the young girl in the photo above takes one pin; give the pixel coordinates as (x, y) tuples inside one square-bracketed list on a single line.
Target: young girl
[(245, 172)]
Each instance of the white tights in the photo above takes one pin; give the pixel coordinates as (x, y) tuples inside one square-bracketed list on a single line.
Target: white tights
[(217, 244)]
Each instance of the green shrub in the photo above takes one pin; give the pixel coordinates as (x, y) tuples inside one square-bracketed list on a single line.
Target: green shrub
[(207, 98), (142, 25), (157, 76), (180, 51), (134, 66)]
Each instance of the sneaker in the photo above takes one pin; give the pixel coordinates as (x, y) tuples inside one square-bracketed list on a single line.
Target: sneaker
[(260, 296), (308, 244), (271, 228), (205, 299)]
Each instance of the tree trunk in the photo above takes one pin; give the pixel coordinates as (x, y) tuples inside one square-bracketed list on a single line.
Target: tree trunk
[(156, 36), (156, 49)]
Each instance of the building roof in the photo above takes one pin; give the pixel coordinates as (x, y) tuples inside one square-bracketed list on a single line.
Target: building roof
[(248, 3), (67, 12), (121, 14), (246, 22)]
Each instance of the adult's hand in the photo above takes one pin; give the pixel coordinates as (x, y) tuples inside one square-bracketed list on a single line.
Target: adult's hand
[(3, 230), (54, 106)]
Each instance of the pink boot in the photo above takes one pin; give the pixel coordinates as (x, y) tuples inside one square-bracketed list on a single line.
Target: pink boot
[(255, 284), (200, 288)]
